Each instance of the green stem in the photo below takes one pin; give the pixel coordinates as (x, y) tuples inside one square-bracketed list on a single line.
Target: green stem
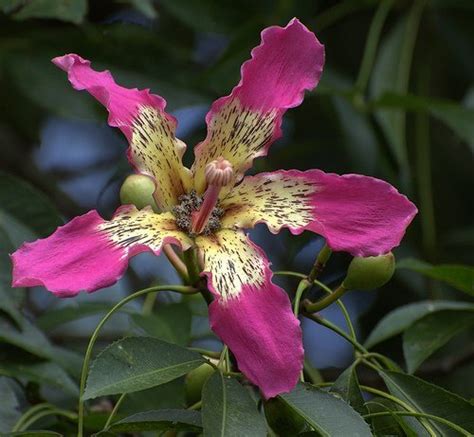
[(31, 412), (321, 321), (49, 412), (323, 257), (195, 406), (176, 262), (423, 172), (327, 290), (452, 425), (302, 286), (371, 45), (190, 259), (403, 77), (399, 402), (313, 307), (85, 365), (114, 411), (205, 352)]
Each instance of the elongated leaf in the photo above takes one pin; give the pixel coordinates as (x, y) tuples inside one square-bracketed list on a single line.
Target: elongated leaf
[(458, 276), (42, 373), (401, 318), (347, 386), (431, 332), (58, 316), (27, 205), (329, 415), (459, 118), (39, 433), (163, 324), (159, 420), (28, 338), (10, 405), (65, 10), (138, 363), (228, 410), (428, 398)]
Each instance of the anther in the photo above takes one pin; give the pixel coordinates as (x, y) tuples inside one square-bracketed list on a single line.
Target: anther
[(218, 173)]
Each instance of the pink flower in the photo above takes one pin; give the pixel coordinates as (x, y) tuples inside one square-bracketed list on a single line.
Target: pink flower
[(209, 205)]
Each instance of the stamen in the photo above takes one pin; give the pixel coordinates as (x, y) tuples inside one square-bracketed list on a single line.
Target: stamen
[(219, 173)]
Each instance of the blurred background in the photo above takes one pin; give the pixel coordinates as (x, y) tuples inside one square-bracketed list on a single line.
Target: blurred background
[(396, 101)]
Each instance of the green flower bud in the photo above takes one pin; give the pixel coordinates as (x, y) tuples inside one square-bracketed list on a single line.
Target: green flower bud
[(371, 272), (194, 382), (138, 190), (283, 419)]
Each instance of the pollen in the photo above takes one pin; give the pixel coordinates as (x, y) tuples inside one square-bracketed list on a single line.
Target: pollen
[(189, 204)]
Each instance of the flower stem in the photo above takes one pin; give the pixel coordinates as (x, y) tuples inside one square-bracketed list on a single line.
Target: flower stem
[(85, 365), (176, 262), (323, 257), (452, 425), (313, 307), (324, 322), (371, 44), (191, 262), (115, 409), (302, 286)]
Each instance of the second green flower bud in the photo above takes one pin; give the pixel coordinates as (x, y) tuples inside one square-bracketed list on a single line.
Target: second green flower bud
[(370, 272)]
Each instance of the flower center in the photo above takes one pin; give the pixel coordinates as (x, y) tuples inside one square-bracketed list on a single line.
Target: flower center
[(188, 205), (198, 215)]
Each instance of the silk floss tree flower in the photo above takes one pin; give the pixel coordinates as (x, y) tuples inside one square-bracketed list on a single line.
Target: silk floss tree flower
[(208, 206)]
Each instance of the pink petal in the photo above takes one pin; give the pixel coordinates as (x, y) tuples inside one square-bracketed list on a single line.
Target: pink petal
[(154, 149), (243, 125), (357, 214), (89, 253), (122, 103), (251, 314)]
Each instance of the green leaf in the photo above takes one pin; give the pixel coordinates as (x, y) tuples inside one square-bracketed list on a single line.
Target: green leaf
[(347, 387), (327, 414), (64, 10), (39, 433), (428, 398), (10, 404), (28, 338), (228, 410), (385, 78), (431, 332), (75, 310), (42, 373), (28, 206), (7, 295), (163, 324), (138, 363), (388, 425), (159, 420), (398, 320), (458, 276), (459, 118)]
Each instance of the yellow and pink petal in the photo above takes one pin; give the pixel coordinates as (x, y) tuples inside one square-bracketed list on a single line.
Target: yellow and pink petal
[(251, 314), (90, 253), (243, 125), (358, 214), (154, 149)]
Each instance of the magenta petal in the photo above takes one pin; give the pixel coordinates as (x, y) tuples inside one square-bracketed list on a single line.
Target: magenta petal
[(122, 103), (76, 257), (89, 253), (358, 214), (251, 314), (289, 61), (264, 335), (243, 125)]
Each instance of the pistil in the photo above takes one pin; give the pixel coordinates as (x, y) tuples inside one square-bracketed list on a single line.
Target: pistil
[(218, 174)]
